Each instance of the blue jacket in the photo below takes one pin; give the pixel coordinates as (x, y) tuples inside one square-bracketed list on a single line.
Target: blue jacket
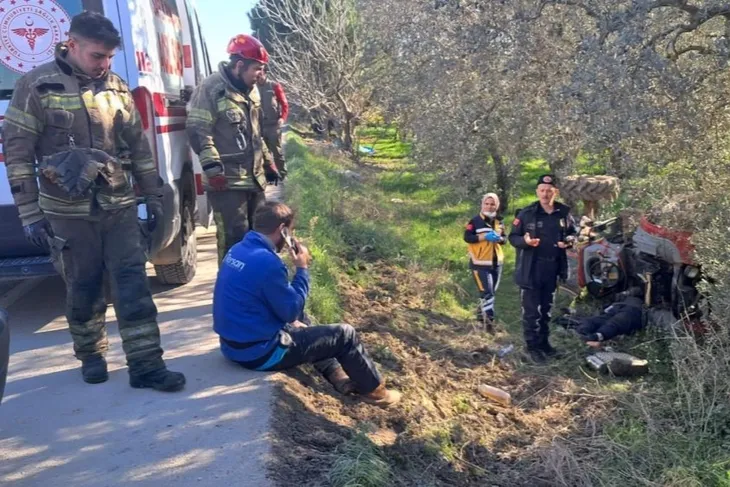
[(253, 299)]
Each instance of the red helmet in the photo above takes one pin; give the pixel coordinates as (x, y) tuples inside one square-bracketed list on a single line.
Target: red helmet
[(248, 47)]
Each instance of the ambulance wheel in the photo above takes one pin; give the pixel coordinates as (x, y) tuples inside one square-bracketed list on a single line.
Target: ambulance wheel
[(183, 271)]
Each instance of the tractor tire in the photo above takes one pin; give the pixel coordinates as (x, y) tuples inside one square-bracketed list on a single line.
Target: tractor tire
[(589, 188)]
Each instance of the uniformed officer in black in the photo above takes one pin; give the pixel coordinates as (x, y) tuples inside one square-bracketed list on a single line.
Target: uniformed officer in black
[(541, 233)]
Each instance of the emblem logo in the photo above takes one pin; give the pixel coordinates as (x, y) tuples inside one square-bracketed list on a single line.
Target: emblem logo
[(30, 31), (233, 115)]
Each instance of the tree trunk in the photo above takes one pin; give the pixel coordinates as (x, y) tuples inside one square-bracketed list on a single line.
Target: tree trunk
[(347, 135), (348, 128), (505, 181)]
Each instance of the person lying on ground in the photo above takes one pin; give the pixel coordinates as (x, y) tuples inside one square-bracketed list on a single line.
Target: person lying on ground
[(621, 318), (485, 235), (257, 311)]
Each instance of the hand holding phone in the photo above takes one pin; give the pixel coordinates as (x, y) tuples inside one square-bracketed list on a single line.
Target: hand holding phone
[(301, 256), (299, 253), (290, 241)]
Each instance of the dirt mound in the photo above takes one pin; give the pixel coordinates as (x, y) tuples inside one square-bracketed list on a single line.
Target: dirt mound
[(444, 433)]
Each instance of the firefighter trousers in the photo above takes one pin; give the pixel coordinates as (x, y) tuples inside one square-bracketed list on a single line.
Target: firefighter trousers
[(233, 212), (272, 138), (112, 241)]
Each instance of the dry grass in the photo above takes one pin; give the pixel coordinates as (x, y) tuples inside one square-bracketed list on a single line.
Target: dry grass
[(444, 433), (566, 427)]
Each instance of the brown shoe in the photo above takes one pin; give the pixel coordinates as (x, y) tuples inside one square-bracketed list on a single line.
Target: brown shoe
[(382, 397), (341, 381)]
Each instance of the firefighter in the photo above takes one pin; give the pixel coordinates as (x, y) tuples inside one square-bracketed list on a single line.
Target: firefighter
[(85, 209), (224, 128), (541, 233), (485, 235), (275, 110)]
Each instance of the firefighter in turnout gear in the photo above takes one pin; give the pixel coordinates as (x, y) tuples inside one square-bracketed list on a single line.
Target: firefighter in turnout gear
[(224, 128), (78, 121), (485, 235), (275, 110), (541, 233)]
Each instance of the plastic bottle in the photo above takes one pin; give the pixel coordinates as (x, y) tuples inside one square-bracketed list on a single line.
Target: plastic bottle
[(495, 394), (505, 350)]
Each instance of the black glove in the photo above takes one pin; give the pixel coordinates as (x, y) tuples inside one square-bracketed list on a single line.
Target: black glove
[(39, 233), (272, 176), (154, 212)]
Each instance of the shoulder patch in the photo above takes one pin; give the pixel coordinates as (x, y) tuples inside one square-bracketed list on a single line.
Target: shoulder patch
[(44, 88), (516, 222), (470, 226)]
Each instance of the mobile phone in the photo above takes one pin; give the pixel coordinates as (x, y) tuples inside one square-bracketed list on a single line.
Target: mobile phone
[(289, 240)]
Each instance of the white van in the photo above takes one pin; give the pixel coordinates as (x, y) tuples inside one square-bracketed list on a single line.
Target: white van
[(163, 57)]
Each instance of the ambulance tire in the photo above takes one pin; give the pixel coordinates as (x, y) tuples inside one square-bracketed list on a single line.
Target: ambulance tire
[(183, 271)]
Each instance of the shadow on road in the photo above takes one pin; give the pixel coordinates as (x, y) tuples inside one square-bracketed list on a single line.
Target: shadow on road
[(57, 430)]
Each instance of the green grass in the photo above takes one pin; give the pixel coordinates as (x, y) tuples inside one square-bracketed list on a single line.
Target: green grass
[(385, 141), (406, 217), (426, 229), (359, 463), (315, 195)]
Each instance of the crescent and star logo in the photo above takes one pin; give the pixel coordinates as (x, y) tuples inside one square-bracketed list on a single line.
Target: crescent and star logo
[(30, 31)]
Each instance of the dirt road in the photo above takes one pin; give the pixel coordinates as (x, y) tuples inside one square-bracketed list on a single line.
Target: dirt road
[(57, 430)]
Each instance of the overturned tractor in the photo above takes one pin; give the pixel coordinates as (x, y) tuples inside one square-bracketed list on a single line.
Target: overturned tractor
[(653, 258)]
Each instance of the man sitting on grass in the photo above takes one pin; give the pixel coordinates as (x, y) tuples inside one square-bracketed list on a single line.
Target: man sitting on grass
[(256, 312)]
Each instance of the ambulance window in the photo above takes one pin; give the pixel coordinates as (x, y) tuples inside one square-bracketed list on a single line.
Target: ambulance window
[(197, 55), (170, 43), (30, 39), (207, 57), (208, 69)]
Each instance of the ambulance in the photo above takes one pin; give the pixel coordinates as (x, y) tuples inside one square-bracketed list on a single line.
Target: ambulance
[(163, 57)]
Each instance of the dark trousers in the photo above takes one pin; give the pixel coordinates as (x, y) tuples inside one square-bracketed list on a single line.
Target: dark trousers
[(624, 321), (537, 304), (329, 347), (272, 139), (487, 280), (233, 212), (112, 242)]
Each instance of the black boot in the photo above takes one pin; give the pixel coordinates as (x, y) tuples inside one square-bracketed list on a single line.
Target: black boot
[(159, 380), (536, 356), (94, 370), (552, 352)]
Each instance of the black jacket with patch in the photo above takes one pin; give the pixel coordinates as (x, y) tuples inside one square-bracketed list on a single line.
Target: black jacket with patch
[(526, 222)]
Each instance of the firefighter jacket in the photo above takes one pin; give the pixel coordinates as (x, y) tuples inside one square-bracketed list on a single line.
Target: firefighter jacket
[(224, 128), (482, 253), (273, 103), (55, 108)]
